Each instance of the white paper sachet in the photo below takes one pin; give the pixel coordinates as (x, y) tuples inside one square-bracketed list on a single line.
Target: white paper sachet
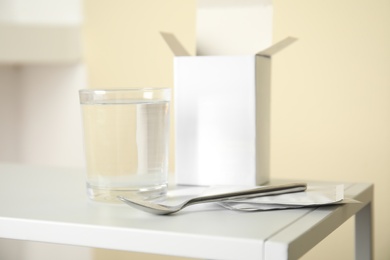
[(314, 196)]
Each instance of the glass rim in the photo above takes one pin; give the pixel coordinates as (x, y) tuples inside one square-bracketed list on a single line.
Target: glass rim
[(89, 90), (124, 96)]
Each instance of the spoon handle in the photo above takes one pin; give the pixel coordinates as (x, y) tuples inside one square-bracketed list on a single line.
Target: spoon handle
[(251, 193)]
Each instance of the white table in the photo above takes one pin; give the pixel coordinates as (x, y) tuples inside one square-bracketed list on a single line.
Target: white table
[(50, 205)]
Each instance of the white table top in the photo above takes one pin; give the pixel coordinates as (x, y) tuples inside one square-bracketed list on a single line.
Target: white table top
[(50, 205)]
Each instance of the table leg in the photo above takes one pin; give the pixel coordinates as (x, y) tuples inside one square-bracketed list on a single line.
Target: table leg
[(363, 234)]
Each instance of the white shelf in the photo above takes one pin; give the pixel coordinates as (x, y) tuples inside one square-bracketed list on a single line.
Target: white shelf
[(50, 205), (23, 43)]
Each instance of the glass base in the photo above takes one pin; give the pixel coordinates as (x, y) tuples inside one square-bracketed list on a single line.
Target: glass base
[(110, 194)]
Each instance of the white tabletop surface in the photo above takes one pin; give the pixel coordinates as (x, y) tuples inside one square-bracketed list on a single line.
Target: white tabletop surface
[(50, 205)]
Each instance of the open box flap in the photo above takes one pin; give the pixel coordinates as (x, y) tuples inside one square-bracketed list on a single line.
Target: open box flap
[(277, 47), (176, 47)]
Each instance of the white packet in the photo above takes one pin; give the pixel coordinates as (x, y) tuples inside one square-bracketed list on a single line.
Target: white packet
[(313, 196)]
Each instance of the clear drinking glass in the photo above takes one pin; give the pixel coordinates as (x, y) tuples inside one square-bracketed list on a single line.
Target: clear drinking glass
[(126, 138)]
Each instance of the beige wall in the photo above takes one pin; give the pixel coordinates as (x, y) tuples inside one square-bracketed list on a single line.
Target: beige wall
[(330, 94), (123, 46), (331, 104)]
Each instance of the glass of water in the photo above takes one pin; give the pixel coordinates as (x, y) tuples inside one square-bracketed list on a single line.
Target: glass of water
[(126, 138)]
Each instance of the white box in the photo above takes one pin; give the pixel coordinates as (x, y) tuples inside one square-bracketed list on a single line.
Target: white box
[(222, 115)]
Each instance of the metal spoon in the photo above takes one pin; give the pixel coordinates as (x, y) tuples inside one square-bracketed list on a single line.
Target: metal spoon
[(160, 209)]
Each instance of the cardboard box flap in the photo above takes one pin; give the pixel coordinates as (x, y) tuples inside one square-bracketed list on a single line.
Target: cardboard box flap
[(176, 47), (277, 47)]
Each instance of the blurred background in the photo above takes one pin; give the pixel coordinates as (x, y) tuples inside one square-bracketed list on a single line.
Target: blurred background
[(330, 92)]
